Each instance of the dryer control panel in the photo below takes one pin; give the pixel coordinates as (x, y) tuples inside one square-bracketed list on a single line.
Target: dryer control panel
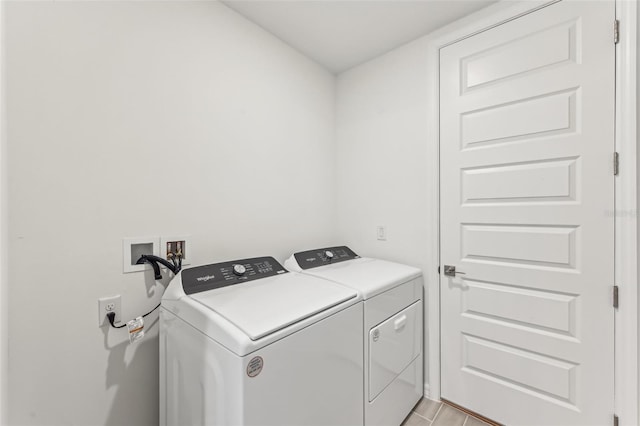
[(324, 256), (209, 277)]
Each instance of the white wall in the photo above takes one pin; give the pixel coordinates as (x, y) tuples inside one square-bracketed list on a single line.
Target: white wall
[(638, 175), (381, 152), (134, 119), (4, 311)]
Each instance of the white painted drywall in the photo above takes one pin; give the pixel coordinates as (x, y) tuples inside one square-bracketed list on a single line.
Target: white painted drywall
[(133, 119), (638, 178), (381, 151), (4, 305)]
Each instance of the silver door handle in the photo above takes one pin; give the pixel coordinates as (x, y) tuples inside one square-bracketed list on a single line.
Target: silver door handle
[(450, 271)]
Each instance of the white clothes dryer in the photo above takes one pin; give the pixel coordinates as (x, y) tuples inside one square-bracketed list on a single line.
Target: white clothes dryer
[(393, 326), (248, 343)]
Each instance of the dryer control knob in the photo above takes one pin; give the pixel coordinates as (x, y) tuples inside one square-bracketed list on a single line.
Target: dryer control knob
[(328, 254), (239, 269)]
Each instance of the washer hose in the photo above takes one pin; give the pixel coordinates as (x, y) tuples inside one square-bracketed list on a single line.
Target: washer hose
[(154, 260)]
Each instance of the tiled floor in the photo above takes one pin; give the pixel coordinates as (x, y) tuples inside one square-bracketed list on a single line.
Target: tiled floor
[(433, 413)]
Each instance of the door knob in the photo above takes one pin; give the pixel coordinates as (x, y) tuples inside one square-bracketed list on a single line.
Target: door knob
[(450, 271)]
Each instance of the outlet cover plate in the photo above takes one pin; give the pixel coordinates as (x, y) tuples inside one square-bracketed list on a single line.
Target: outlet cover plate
[(109, 304)]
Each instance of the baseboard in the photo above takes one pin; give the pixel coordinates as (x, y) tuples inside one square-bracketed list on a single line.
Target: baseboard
[(427, 391)]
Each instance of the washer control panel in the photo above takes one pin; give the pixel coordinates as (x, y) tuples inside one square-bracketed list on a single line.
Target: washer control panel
[(324, 256), (209, 277)]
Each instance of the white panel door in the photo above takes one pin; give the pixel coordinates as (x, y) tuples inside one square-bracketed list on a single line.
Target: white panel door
[(527, 198)]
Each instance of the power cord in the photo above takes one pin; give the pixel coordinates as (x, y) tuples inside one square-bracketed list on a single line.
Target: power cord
[(175, 266), (111, 316)]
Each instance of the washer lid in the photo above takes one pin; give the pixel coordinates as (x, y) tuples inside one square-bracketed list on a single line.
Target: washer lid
[(264, 306)]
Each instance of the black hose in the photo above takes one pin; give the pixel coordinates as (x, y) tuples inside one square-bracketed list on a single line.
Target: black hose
[(154, 260)]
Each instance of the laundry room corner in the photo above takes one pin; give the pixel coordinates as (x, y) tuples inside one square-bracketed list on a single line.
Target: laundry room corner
[(138, 119)]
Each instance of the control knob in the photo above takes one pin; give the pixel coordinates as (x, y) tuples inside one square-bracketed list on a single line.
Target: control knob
[(329, 254), (239, 270)]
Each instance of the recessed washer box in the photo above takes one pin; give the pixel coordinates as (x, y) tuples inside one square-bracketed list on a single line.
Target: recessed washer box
[(133, 248)]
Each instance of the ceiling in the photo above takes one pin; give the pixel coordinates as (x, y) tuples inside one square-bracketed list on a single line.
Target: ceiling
[(340, 34)]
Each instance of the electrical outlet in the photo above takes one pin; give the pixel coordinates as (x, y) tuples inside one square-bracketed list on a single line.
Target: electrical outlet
[(106, 305), (381, 232)]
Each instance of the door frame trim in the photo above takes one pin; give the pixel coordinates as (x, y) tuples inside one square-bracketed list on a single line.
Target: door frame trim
[(626, 218), (626, 375)]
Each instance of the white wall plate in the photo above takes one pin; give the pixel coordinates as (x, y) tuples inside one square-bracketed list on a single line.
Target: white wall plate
[(132, 248)]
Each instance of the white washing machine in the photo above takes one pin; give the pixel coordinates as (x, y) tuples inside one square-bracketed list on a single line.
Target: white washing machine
[(248, 343), (393, 326)]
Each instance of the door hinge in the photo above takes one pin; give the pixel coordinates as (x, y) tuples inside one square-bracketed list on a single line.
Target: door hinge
[(616, 420), (616, 163), (615, 296), (616, 31)]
